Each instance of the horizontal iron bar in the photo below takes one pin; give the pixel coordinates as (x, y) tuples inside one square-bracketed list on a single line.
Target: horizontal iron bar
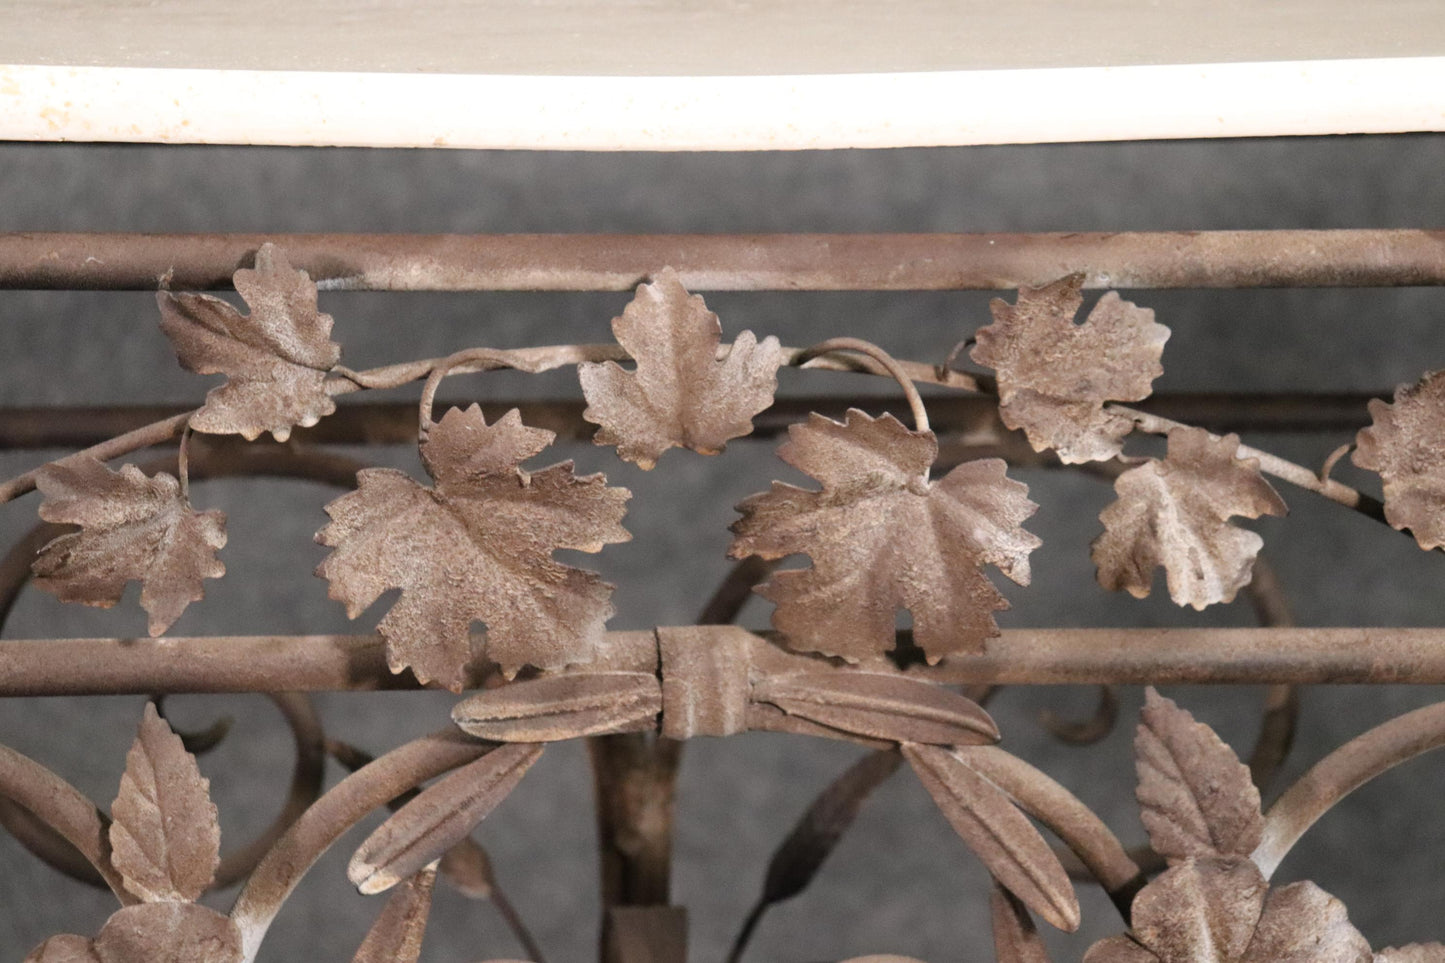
[(312, 663), (738, 262), (394, 423)]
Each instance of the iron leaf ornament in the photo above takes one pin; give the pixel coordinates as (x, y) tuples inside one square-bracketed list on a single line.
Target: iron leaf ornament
[(883, 536), (1054, 375), (476, 547), (275, 359), (165, 843), (1213, 905), (397, 934), (133, 527), (165, 838), (1175, 513), (1195, 796), (1406, 446), (681, 395)]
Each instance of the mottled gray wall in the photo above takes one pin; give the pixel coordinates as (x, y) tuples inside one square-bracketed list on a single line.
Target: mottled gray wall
[(901, 882)]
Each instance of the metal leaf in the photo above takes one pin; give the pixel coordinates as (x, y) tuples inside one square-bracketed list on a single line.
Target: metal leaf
[(1195, 796), (275, 359), (1015, 940), (1175, 513), (1054, 375), (562, 707), (1002, 837), (439, 817), (65, 948), (478, 546), (1201, 910), (681, 394), (169, 933), (397, 934), (132, 528), (1413, 953), (165, 838), (880, 706), (882, 536), (1118, 949), (1302, 923), (1406, 446)]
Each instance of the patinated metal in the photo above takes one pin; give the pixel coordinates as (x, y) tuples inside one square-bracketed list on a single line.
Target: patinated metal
[(881, 534)]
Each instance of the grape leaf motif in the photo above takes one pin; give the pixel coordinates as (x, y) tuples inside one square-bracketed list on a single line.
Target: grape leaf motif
[(132, 527), (1054, 375), (476, 547), (882, 536), (1176, 512), (275, 359), (681, 394), (1406, 446)]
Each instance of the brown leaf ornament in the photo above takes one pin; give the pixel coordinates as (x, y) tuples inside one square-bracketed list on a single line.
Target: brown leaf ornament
[(1214, 905), (1195, 796), (275, 359), (681, 395), (1176, 512), (1054, 375), (1406, 446), (132, 528), (165, 843), (476, 547), (165, 838), (882, 537)]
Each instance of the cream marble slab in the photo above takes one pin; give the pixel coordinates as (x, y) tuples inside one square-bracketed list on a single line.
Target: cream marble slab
[(714, 74)]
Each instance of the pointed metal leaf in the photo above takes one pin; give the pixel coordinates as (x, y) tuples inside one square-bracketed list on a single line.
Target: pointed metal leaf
[(1406, 446), (882, 536), (65, 948), (397, 934), (681, 394), (440, 816), (1054, 375), (1412, 953), (1301, 923), (880, 706), (1200, 910), (275, 359), (562, 707), (1176, 512), (1195, 796), (1002, 837), (1015, 940), (477, 547), (132, 528), (168, 933), (165, 837)]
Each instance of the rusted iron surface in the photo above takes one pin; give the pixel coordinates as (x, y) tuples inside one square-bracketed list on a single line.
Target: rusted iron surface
[(751, 262), (903, 518), (357, 663)]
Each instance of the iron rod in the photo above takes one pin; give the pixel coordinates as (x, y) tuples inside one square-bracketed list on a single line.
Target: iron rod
[(311, 663), (738, 262)]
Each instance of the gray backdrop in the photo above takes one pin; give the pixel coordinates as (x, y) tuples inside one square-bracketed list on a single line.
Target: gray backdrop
[(901, 882)]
